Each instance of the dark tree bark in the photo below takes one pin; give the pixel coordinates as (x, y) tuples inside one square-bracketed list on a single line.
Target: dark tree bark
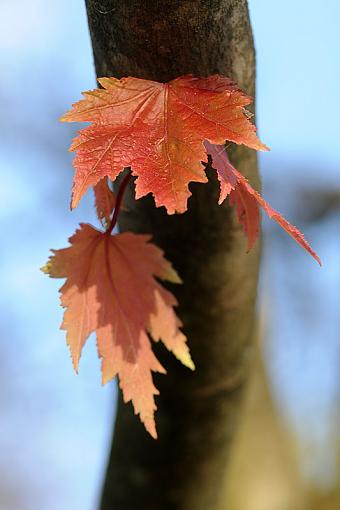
[(197, 412)]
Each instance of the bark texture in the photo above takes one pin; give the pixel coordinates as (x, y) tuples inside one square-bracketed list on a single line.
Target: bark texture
[(197, 412)]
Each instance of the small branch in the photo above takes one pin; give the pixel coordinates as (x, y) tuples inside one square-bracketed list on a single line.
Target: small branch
[(120, 195)]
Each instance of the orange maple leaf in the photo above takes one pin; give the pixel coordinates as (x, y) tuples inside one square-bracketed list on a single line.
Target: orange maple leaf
[(247, 200), (158, 130), (112, 291), (105, 201)]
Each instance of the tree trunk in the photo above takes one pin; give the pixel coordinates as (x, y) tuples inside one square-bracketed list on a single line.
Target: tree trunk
[(197, 412)]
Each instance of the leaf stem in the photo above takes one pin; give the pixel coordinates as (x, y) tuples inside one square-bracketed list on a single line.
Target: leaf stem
[(119, 199)]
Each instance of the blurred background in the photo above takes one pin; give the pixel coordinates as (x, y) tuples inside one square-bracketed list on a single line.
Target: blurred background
[(55, 427)]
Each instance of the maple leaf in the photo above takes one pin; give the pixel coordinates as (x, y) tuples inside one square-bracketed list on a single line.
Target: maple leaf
[(247, 200), (158, 130), (112, 292), (104, 201)]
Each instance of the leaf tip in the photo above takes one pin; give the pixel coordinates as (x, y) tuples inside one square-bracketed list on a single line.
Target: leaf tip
[(74, 201), (183, 355), (172, 276), (150, 426), (189, 363), (65, 117), (46, 268), (317, 258), (263, 147), (75, 363)]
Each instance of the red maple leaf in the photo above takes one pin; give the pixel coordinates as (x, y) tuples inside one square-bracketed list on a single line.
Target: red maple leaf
[(105, 201), (111, 291), (247, 200), (158, 130)]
